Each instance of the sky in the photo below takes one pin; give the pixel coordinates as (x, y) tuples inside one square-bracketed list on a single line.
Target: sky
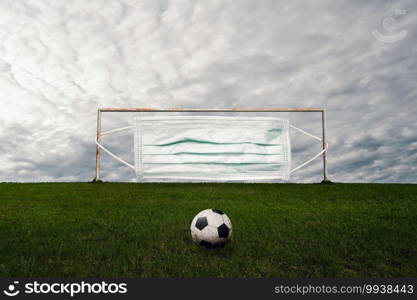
[(60, 60)]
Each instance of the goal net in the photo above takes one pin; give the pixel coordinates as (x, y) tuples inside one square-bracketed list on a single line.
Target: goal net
[(210, 147)]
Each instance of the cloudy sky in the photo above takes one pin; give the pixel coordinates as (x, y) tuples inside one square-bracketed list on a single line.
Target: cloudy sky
[(62, 59)]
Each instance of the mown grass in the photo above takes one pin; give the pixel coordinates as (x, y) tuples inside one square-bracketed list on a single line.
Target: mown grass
[(142, 230)]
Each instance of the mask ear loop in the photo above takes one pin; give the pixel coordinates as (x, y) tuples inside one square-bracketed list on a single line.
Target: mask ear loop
[(108, 151), (314, 157)]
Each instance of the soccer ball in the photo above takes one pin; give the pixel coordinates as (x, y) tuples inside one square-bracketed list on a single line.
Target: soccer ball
[(211, 228)]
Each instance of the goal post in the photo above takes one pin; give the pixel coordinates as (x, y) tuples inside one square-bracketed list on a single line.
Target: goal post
[(100, 111)]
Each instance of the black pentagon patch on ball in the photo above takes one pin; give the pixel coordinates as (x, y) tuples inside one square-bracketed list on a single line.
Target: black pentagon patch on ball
[(210, 245), (206, 244), (218, 211), (201, 223), (223, 231)]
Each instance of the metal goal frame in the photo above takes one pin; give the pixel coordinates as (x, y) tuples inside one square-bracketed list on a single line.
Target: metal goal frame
[(100, 111)]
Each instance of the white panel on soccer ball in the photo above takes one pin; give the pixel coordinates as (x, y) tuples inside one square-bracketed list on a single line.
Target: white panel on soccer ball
[(210, 234), (227, 221), (196, 234), (204, 212), (214, 219)]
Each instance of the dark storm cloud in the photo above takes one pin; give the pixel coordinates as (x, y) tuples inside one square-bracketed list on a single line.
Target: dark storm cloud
[(60, 60)]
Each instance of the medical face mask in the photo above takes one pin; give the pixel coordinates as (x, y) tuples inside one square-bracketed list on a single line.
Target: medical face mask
[(211, 148)]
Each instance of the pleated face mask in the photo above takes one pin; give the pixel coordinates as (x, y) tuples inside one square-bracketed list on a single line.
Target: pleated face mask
[(211, 148)]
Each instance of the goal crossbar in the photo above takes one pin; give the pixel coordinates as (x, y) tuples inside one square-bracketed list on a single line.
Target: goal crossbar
[(99, 133)]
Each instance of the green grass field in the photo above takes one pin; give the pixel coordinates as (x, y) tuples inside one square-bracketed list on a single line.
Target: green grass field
[(142, 230)]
